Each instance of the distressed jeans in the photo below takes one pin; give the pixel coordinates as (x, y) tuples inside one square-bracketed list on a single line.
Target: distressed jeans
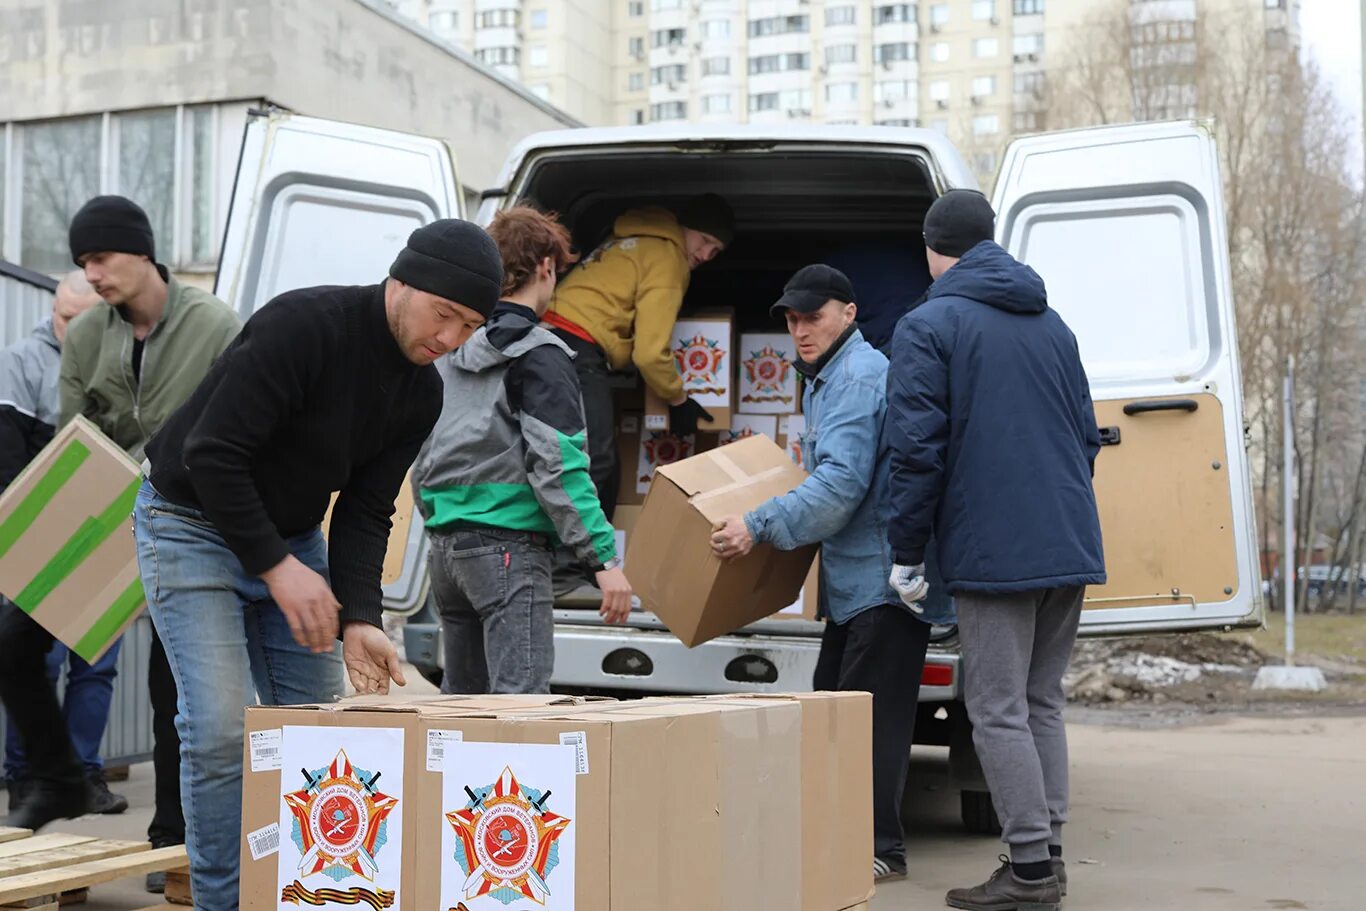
[(492, 590), (228, 644)]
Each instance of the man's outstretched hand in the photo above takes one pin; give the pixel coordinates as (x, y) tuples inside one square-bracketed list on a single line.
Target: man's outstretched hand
[(370, 657)]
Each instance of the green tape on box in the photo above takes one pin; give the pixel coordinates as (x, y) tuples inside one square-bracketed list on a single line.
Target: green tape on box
[(29, 508), (88, 537), (125, 605)]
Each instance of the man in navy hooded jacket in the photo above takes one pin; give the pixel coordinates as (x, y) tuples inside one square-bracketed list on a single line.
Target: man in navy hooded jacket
[(993, 442)]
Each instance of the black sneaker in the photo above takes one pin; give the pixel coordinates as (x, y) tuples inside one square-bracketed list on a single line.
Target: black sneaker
[(885, 869), (156, 880), (101, 799), (46, 801), (17, 787), (1004, 891)]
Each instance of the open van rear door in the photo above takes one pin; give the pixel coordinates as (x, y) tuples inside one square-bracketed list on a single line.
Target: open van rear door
[(1126, 227), (318, 202)]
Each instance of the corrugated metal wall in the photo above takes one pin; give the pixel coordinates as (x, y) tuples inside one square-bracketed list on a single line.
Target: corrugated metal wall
[(24, 301)]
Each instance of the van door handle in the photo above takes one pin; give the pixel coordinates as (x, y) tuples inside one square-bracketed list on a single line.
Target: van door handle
[(1186, 405)]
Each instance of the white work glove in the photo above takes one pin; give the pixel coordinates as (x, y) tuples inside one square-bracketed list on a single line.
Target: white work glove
[(910, 584)]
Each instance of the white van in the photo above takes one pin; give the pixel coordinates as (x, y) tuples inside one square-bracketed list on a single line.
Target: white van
[(1125, 224)]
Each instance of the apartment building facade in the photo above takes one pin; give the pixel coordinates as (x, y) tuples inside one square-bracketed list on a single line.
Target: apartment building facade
[(973, 69)]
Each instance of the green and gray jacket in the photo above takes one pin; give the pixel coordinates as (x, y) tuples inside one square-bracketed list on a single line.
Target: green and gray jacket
[(510, 448), (97, 378)]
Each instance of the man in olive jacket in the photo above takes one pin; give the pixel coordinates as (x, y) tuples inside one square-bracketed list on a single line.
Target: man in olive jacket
[(127, 363)]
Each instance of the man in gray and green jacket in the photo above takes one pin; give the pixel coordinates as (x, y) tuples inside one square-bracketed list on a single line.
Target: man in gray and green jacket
[(504, 478)]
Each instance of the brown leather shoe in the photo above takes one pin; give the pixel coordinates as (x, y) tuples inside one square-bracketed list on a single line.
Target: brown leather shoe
[(1004, 891)]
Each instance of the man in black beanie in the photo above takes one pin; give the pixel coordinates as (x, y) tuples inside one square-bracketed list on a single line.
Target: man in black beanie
[(993, 440), (328, 389)]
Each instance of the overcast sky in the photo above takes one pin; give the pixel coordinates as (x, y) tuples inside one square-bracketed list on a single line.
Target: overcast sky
[(1332, 37)]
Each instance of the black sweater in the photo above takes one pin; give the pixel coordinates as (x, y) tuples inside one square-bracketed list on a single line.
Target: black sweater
[(313, 396)]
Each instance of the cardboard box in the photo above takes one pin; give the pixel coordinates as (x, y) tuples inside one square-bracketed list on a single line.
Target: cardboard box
[(743, 426), (768, 379), (808, 599), (791, 430), (703, 350), (67, 555), (668, 815), (677, 576), (837, 796)]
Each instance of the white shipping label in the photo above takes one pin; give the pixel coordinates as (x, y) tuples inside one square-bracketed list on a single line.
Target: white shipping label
[(264, 842), (656, 422), (265, 750), (579, 741), (436, 747)]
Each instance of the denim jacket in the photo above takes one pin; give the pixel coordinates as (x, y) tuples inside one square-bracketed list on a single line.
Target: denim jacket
[(843, 503)]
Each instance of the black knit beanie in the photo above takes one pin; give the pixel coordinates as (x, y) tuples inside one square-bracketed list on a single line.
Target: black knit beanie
[(111, 224), (958, 221), (709, 214), (453, 259)]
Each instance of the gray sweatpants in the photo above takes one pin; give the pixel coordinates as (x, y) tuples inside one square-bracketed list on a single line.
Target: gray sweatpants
[(1015, 651)]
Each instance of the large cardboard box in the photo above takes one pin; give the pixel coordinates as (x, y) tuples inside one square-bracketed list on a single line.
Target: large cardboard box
[(67, 555), (657, 805), (768, 377), (703, 350), (677, 575), (837, 796)]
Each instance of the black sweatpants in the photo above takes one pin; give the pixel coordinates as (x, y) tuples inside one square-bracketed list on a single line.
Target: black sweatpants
[(30, 699), (168, 817), (881, 651)]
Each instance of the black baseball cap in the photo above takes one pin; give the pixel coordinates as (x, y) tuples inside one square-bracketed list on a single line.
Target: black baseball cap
[(811, 286)]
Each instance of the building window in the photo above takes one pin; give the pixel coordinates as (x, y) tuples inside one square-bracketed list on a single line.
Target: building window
[(661, 6), (668, 37), (539, 18), (498, 18), (894, 12), (669, 110), (939, 15), (1275, 4), (146, 170), (1028, 83), (498, 56), (1028, 121), (986, 47), (637, 117), (1028, 7), (635, 82), (889, 53), (673, 74), (841, 53), (779, 63), (893, 91), (939, 52), (1025, 45), (1277, 39), (939, 90), (986, 125), (983, 9), (841, 92), (203, 173), (716, 28), (444, 21), (898, 122), (982, 86), (636, 8), (841, 15), (538, 55), (716, 104), (716, 66), (779, 25), (763, 101), (841, 122), (636, 47), (61, 171)]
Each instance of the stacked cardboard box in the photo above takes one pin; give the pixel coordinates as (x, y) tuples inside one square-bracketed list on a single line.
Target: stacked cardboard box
[(556, 803)]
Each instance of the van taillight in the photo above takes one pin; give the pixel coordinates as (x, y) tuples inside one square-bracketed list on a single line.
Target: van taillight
[(937, 675)]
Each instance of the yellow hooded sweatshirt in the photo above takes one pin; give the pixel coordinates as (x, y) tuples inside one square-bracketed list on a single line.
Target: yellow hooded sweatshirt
[(627, 293)]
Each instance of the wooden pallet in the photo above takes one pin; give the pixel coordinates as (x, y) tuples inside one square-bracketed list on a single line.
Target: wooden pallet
[(43, 872)]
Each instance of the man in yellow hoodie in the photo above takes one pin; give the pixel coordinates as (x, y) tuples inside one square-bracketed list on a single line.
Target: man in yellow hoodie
[(618, 308)]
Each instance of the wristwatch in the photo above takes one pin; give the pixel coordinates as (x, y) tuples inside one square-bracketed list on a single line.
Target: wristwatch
[(614, 563)]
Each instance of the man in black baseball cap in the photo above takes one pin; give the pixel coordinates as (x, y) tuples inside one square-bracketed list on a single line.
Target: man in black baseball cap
[(328, 389), (873, 641)]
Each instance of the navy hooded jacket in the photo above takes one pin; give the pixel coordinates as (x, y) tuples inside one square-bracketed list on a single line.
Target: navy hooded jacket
[(992, 435)]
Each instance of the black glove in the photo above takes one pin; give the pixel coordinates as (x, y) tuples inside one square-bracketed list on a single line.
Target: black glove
[(683, 418)]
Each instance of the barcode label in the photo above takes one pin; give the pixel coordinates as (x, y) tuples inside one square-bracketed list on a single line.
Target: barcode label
[(436, 748), (265, 750), (264, 842), (579, 741)]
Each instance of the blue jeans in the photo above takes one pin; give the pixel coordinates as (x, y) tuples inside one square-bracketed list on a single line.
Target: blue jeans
[(85, 706), (228, 644)]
